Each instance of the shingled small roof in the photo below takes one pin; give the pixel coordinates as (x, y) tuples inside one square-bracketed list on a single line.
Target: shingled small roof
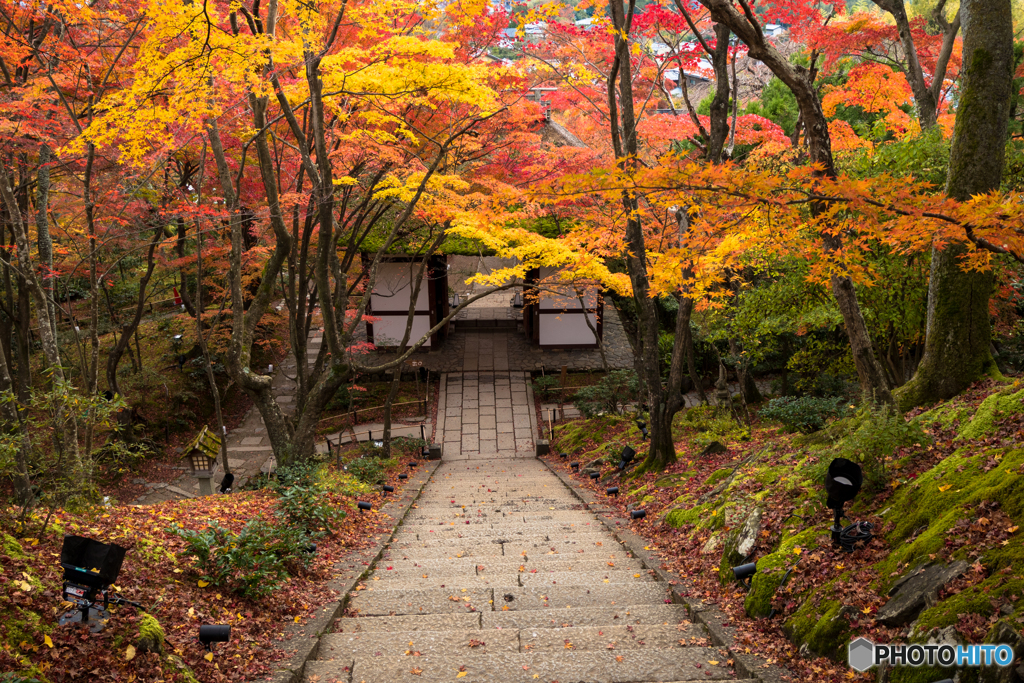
[(207, 442)]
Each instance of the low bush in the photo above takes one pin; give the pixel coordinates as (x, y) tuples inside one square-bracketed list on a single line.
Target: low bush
[(610, 395), (302, 499), (254, 562), (370, 471), (881, 432), (804, 414)]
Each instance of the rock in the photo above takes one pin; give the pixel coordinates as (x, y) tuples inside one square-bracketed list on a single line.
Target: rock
[(151, 634), (916, 590), (713, 448), (747, 540), (1004, 634), (712, 545)]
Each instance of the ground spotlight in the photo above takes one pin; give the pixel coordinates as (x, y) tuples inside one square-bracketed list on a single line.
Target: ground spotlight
[(613, 491), (638, 514), (842, 483), (744, 572), (595, 475), (310, 548), (627, 457), (389, 489), (214, 633), (227, 482), (403, 476), (575, 467), (563, 456), (364, 506), (642, 426)]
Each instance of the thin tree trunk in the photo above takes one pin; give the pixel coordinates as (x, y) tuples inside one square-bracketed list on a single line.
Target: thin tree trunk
[(207, 365), (958, 336)]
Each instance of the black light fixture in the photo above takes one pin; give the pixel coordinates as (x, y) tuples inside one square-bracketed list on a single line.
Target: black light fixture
[(575, 467), (595, 475), (389, 489), (627, 457), (638, 514), (456, 301), (214, 633), (642, 426), (90, 568), (363, 506), (613, 491), (563, 456), (227, 482), (517, 300), (744, 572), (310, 548), (843, 480), (403, 476)]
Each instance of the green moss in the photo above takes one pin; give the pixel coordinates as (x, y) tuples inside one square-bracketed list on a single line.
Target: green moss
[(942, 496), (693, 515), (12, 548), (151, 634), (946, 415), (925, 674), (572, 436), (992, 410), (772, 568), (718, 475), (977, 599), (646, 499), (674, 480), (821, 626)]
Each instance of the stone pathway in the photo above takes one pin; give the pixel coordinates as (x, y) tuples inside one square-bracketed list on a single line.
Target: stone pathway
[(498, 574), (481, 414)]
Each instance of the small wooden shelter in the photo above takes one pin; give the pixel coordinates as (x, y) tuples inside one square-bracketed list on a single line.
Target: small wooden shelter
[(392, 293)]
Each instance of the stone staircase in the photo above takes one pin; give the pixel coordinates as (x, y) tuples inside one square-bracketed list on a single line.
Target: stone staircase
[(498, 574)]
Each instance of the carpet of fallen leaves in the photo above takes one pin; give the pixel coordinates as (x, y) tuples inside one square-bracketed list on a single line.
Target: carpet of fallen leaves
[(155, 574), (681, 555)]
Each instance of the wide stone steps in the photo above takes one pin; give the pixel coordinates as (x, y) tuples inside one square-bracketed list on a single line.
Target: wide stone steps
[(516, 584), (624, 666)]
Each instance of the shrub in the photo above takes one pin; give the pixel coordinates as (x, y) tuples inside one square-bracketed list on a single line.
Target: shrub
[(882, 431), (254, 562), (370, 471), (303, 500), (610, 395), (805, 414), (546, 386)]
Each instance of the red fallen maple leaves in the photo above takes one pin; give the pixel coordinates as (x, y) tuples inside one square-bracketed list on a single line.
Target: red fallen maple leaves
[(153, 575)]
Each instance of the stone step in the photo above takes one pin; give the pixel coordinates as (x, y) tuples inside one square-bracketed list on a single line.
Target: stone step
[(597, 595), (382, 603), (409, 622), (504, 565), (391, 644), (447, 580), (602, 638), (446, 551), (619, 615), (629, 666), (554, 542), (580, 578)]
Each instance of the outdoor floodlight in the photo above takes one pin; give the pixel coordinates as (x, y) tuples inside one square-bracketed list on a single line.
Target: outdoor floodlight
[(517, 300), (389, 489), (310, 548), (595, 475), (227, 482), (744, 572), (638, 514), (403, 476), (214, 633), (642, 426), (575, 467), (842, 483), (563, 456), (90, 568), (363, 506), (613, 491), (627, 457)]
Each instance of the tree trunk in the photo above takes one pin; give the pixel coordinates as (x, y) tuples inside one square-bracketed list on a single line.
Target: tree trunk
[(800, 81), (114, 355), (957, 341), (719, 124)]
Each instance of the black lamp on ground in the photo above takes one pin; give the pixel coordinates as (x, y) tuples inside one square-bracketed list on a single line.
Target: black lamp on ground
[(613, 491), (563, 456), (363, 506), (627, 457), (227, 482), (214, 633), (575, 467), (744, 573), (638, 514), (403, 476), (389, 489), (642, 426), (595, 475), (843, 480)]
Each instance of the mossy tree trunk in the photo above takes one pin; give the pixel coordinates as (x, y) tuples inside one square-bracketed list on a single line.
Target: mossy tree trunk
[(957, 340)]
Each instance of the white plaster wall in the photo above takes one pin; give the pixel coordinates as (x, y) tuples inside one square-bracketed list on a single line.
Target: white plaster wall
[(563, 298), (569, 328), (389, 330), (392, 290)]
